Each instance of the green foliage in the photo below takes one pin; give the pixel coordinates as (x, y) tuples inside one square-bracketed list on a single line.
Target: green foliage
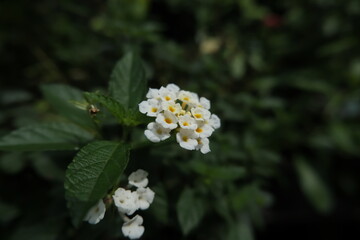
[(128, 81), (95, 169), (47, 136), (127, 117), (61, 98), (313, 187), (283, 76), (190, 210)]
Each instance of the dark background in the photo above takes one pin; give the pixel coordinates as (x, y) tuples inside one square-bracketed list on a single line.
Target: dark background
[(283, 76)]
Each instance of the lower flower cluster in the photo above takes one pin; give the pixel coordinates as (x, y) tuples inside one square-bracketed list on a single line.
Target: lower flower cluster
[(127, 203)]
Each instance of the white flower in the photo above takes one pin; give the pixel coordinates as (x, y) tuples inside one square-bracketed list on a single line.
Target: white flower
[(203, 130), (214, 121), (139, 178), (172, 107), (205, 103), (200, 113), (173, 88), (167, 120), (186, 139), (145, 197), (181, 110), (203, 145), (167, 95), (157, 132), (126, 201), (96, 213), (188, 97), (132, 228), (151, 107), (187, 122), (153, 93)]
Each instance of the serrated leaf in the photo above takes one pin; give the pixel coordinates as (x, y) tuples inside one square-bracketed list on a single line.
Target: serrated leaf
[(46, 136), (95, 169), (61, 98), (129, 117), (190, 210), (128, 81), (313, 187)]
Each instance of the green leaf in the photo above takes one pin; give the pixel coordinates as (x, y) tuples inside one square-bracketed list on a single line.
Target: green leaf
[(313, 187), (190, 210), (46, 136), (129, 117), (12, 162), (95, 169), (128, 82), (61, 97), (8, 212), (240, 229), (218, 173)]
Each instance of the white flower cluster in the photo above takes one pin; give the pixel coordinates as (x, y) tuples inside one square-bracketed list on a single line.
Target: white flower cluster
[(127, 202), (183, 111)]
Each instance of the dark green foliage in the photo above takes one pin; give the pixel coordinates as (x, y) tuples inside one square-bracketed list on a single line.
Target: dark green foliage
[(283, 76)]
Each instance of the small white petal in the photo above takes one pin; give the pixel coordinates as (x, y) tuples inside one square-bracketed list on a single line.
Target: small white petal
[(146, 197), (215, 121), (173, 87), (139, 178), (167, 120), (143, 107), (187, 122), (153, 93), (186, 139), (156, 132), (205, 103), (200, 113), (203, 145), (167, 95), (150, 107), (203, 130), (125, 201), (132, 228), (96, 213)]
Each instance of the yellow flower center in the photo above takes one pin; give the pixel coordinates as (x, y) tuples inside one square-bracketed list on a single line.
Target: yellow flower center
[(198, 115), (171, 109), (185, 138), (154, 110), (186, 124), (186, 99), (167, 98), (168, 120), (159, 131), (199, 130)]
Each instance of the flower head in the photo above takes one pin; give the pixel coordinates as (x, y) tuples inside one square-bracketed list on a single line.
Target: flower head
[(145, 197), (139, 178), (96, 213), (125, 201), (182, 111), (132, 228)]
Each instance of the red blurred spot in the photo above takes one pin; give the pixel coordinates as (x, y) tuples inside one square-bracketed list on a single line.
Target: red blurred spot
[(272, 21)]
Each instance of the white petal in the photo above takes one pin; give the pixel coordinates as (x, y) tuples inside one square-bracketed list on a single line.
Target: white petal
[(215, 121), (205, 103), (96, 213), (146, 197), (125, 201), (144, 107), (139, 178), (132, 228), (173, 87)]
